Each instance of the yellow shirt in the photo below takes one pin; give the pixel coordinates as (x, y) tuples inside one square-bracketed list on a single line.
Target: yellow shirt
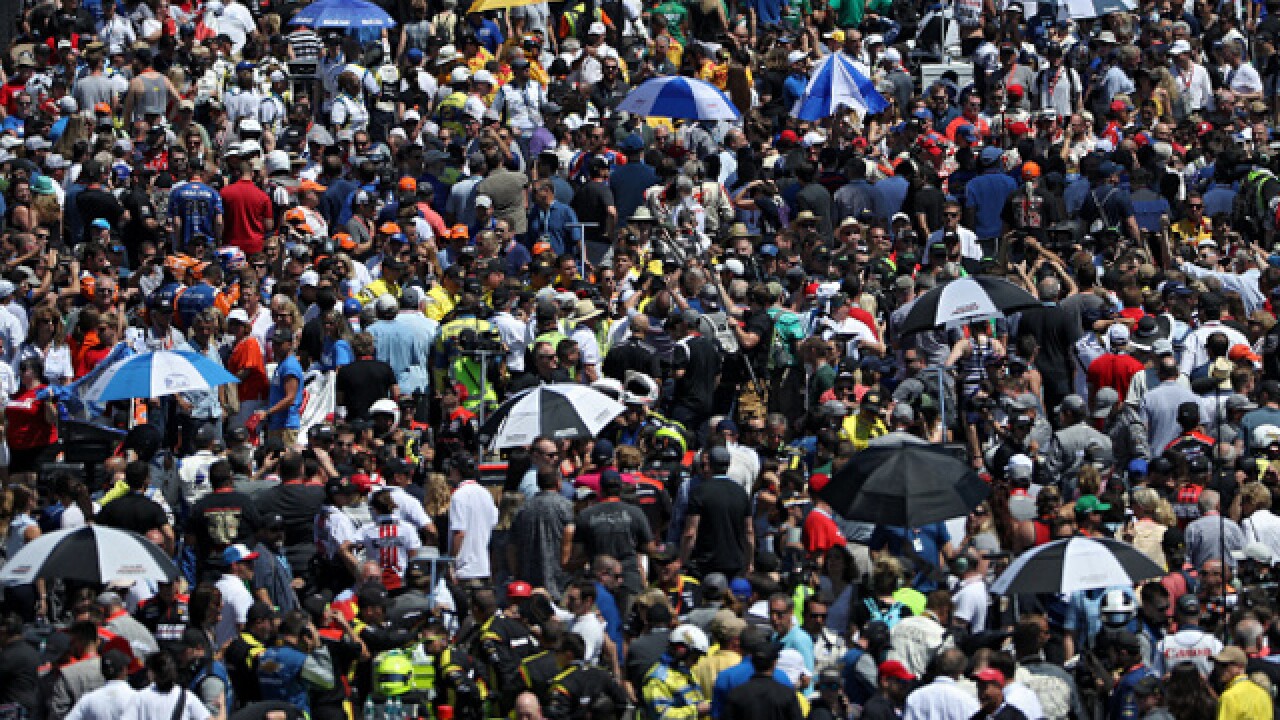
[(439, 303), (1244, 700), (859, 431), (712, 664), (1185, 231)]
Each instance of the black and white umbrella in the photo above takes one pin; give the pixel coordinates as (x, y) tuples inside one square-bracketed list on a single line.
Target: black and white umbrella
[(561, 411), (1077, 563), (966, 300), (91, 554)]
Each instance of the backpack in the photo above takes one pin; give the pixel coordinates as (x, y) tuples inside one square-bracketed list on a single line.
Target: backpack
[(856, 687), (889, 617), (788, 331), (1253, 209)]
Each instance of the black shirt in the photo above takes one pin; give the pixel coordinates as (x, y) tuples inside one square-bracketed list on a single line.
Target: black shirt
[(592, 204), (19, 680), (1057, 335), (615, 528), (815, 198), (724, 509), (362, 383), (298, 504), (699, 358), (762, 698), (94, 203), (220, 519), (135, 512), (634, 354)]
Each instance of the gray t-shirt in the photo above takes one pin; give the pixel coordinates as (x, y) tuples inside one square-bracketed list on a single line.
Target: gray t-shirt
[(93, 89), (537, 534)]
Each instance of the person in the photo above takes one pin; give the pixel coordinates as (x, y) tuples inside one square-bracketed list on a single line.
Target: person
[(762, 696), (114, 698), (164, 698), (943, 698), (1240, 697), (236, 598), (669, 690), (300, 664), (725, 543)]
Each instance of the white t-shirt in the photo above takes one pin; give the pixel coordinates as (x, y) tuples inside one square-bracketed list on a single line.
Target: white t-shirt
[(151, 704), (971, 602), (591, 629), (236, 601), (474, 513), (409, 509)]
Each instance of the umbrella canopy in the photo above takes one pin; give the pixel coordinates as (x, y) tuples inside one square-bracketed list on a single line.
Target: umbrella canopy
[(562, 411), (1097, 8), (343, 14), (1077, 563), (91, 554), (965, 300), (156, 374), (483, 5), (904, 486), (680, 97), (836, 83)]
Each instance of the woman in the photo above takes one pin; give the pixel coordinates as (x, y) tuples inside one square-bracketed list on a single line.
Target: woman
[(31, 423), (47, 205), (20, 216), (285, 316), (1187, 695), (47, 343), (78, 507), (337, 341), (839, 580), (886, 578), (166, 699), (26, 600)]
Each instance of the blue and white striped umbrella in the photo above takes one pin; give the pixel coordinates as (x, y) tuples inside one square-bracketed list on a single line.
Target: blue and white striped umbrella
[(836, 83), (346, 14), (156, 374), (679, 97)]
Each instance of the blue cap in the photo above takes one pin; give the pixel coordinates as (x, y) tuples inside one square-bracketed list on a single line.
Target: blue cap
[(414, 55), (1175, 288), (101, 224), (398, 238), (727, 425), (922, 114), (991, 155), (770, 250), (351, 306), (740, 588), (244, 65), (1108, 168), (969, 132), (1138, 466), (633, 143), (603, 449)]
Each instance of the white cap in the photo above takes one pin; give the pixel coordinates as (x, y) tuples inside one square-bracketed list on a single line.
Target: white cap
[(460, 74), (56, 162), (893, 56), (276, 161), (875, 40), (6, 289), (277, 76), (38, 143), (412, 114), (239, 315), (482, 76), (597, 28), (67, 105), (386, 302), (813, 137), (448, 53), (1179, 46), (484, 201), (250, 147), (796, 56), (214, 6), (309, 278), (250, 125), (735, 266)]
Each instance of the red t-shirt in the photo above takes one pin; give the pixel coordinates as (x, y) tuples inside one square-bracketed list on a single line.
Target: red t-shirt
[(821, 533), (1114, 371), (27, 427), (245, 209)]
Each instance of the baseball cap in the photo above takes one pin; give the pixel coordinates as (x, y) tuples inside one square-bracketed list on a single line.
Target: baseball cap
[(237, 553), (1241, 353), (1073, 404), (796, 56), (260, 611), (896, 670), (1188, 604), (1091, 504), (989, 674), (1118, 335), (1104, 400)]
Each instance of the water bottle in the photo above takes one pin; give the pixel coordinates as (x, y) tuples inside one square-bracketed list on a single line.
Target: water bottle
[(394, 710), (370, 712)]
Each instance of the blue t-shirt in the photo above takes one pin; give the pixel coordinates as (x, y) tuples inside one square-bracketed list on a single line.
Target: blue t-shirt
[(730, 678), (489, 35), (291, 419), (336, 353), (927, 543), (987, 194), (198, 205)]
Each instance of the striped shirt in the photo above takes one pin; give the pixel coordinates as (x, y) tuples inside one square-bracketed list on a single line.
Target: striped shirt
[(306, 44)]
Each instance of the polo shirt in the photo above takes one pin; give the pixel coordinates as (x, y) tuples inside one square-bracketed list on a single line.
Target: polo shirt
[(246, 209)]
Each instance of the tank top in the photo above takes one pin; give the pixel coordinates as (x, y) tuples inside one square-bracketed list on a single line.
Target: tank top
[(17, 534), (155, 96), (975, 363)]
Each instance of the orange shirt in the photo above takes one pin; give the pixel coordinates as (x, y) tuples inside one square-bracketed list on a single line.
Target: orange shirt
[(248, 356)]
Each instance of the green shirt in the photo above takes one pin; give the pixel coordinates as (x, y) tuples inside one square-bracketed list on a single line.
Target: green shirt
[(675, 13)]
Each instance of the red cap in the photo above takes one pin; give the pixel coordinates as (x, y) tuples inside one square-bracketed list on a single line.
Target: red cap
[(896, 670), (1015, 91), (362, 481), (1204, 128), (790, 137), (1242, 352), (989, 675), (859, 142), (518, 590), (1019, 128), (1119, 105), (817, 481)]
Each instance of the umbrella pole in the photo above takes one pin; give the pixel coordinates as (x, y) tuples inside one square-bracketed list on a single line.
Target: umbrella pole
[(582, 244)]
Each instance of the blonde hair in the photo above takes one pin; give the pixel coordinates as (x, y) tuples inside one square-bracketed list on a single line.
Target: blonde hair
[(437, 495)]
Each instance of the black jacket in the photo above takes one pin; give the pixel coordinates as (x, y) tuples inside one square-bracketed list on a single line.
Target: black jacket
[(762, 698)]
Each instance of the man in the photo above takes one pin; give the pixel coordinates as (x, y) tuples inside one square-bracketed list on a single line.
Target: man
[(1056, 334), (580, 601), (110, 701), (943, 699), (135, 511), (1205, 535), (1070, 446), (617, 529), (916, 639), (472, 517), (670, 692), (507, 190), (972, 601), (718, 533), (117, 620), (985, 198), (236, 599), (1190, 644), (273, 577), (1259, 524), (1242, 78), (894, 685), (829, 647), (695, 365), (248, 213), (1240, 697), (298, 503), (300, 664), (398, 345), (594, 202), (580, 685), (551, 220), (542, 536), (782, 618), (501, 642), (762, 697)]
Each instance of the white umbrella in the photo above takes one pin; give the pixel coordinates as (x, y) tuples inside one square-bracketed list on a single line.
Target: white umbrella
[(92, 554), (561, 411), (679, 97), (1078, 563), (1079, 9)]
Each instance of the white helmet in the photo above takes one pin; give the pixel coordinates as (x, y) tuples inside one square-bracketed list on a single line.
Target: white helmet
[(1118, 607), (691, 636), (276, 161), (609, 386)]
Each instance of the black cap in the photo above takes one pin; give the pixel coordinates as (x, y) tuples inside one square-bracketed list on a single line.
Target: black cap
[(260, 611), (1148, 686), (193, 638), (1125, 640), (1173, 539), (340, 485), (610, 481), (372, 596), (1188, 604), (113, 663), (1189, 414), (273, 521)]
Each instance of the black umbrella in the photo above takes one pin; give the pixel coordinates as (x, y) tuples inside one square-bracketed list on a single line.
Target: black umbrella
[(905, 486), (965, 300)]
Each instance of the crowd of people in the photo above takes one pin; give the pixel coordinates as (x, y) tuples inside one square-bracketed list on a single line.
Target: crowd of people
[(386, 232)]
